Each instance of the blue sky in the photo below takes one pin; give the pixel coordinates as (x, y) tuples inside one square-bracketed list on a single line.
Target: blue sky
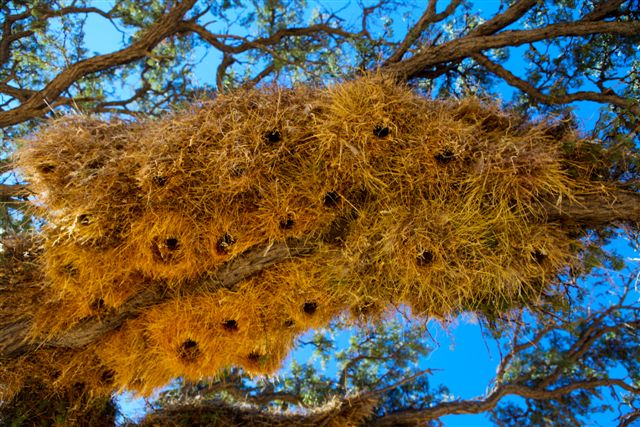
[(464, 359)]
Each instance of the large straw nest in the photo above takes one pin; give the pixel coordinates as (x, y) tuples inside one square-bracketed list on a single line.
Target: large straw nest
[(437, 205)]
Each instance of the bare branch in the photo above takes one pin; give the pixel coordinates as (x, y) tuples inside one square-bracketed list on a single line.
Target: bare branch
[(428, 17), (597, 210), (608, 97), (477, 406), (603, 10), (506, 18), (263, 42), (38, 104), (261, 75), (227, 61), (467, 46), (16, 190)]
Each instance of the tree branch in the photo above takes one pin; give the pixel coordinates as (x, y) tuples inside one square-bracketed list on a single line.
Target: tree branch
[(38, 104), (489, 402), (607, 97), (428, 17), (12, 336), (506, 18), (466, 46), (262, 42), (597, 210), (13, 190)]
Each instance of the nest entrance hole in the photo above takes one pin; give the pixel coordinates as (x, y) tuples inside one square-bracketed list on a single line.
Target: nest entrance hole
[(256, 358), (310, 308), (84, 219), (159, 180), (46, 168), (445, 156), (539, 256), (230, 325), (287, 223), (164, 249), (224, 243), (189, 350), (381, 131), (69, 269), (425, 258), (331, 199), (97, 305), (108, 376), (95, 164), (273, 136)]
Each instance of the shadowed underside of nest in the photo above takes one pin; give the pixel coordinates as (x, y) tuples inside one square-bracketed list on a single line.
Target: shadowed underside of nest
[(351, 199)]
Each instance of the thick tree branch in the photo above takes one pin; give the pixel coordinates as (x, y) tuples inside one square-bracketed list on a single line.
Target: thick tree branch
[(467, 46), (603, 10), (13, 190), (478, 406), (262, 42), (12, 336), (38, 104), (597, 210)]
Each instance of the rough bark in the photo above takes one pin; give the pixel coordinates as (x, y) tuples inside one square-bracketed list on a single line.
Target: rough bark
[(593, 211), (597, 210), (466, 46), (39, 103), (13, 335)]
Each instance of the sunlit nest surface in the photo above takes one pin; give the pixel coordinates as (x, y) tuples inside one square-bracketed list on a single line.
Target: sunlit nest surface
[(436, 205)]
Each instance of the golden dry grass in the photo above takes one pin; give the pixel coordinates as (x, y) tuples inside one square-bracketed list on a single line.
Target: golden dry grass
[(437, 205)]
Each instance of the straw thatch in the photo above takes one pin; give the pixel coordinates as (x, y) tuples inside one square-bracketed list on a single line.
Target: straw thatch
[(436, 205)]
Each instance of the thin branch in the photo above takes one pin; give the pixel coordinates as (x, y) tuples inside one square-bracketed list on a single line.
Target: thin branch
[(260, 76), (506, 18), (428, 17)]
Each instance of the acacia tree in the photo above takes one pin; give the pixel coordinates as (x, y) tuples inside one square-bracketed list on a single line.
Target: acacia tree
[(584, 51)]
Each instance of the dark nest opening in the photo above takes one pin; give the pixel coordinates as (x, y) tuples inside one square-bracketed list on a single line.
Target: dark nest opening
[(230, 325), (95, 164), (256, 358), (538, 256), (69, 269), (273, 136), (224, 243), (310, 308), (165, 250), (381, 131), (84, 219), (445, 156), (425, 258), (97, 304), (331, 199), (46, 168), (189, 351), (159, 180), (108, 376), (288, 222)]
